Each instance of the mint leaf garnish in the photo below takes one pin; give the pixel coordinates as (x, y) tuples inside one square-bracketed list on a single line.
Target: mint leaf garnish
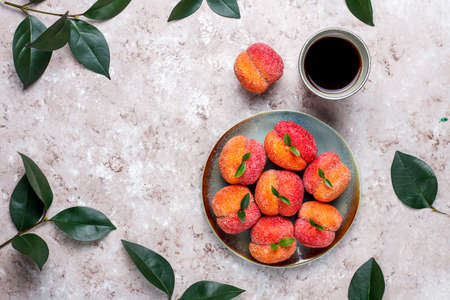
[(246, 156), (241, 215), (325, 180), (318, 226), (274, 246), (240, 171), (286, 242)]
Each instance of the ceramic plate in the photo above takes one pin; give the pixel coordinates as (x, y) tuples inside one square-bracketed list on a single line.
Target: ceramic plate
[(256, 127)]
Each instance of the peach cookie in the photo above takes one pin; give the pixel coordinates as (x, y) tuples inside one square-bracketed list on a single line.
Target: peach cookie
[(235, 209), (326, 178), (279, 192), (317, 223), (242, 160), (258, 67), (272, 240), (290, 146)]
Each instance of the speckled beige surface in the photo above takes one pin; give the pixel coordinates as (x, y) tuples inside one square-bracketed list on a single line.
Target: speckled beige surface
[(135, 147)]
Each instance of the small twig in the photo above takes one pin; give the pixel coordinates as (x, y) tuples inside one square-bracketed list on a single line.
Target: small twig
[(26, 9), (42, 221), (7, 242), (438, 211)]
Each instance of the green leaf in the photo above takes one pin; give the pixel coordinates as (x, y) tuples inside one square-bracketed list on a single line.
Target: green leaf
[(245, 201), (30, 63), (246, 156), (155, 268), (184, 9), (287, 139), (25, 207), (210, 290), (106, 9), (313, 223), (36, 1), (294, 150), (286, 242), (274, 246), (241, 215), (240, 170), (275, 192), (321, 173), (413, 180), (83, 223), (33, 246), (367, 283), (225, 8), (38, 181), (362, 9), (55, 37), (284, 200), (89, 46), (327, 183), (443, 119)]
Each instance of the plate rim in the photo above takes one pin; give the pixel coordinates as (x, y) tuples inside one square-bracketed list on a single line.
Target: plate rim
[(204, 195)]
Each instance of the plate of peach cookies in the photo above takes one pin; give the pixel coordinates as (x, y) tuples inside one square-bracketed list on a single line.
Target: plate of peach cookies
[(280, 188)]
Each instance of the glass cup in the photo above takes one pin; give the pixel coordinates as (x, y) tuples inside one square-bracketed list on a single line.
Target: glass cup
[(361, 76)]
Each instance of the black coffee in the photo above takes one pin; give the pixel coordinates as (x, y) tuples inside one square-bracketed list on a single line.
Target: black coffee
[(332, 64)]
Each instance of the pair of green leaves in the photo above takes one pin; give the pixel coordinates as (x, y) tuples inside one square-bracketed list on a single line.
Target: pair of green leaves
[(284, 242), (362, 9), (241, 169), (367, 282), (225, 8), (314, 224), (31, 197), (158, 271), (413, 181), (325, 180), (29, 202), (244, 204), (281, 197), (33, 43), (288, 142)]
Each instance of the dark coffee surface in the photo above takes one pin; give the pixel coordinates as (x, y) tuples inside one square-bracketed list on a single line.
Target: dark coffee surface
[(332, 64)]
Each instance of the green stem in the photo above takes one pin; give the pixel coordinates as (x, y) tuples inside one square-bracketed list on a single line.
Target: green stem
[(7, 242), (44, 220), (438, 211), (25, 9)]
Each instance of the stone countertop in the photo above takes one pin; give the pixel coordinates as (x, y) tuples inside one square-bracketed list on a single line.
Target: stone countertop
[(134, 147)]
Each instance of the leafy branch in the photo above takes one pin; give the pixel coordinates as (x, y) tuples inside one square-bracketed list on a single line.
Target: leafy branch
[(34, 43), (29, 203)]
